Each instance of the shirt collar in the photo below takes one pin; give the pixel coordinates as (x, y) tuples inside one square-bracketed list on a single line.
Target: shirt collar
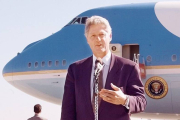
[(36, 114), (106, 59)]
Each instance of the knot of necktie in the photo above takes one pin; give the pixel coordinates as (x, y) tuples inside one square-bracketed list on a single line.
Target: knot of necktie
[(98, 68), (98, 62)]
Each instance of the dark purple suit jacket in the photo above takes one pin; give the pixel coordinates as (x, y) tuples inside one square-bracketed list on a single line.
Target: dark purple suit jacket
[(123, 73)]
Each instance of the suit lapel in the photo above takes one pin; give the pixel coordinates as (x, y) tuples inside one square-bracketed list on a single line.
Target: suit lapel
[(111, 73), (112, 77)]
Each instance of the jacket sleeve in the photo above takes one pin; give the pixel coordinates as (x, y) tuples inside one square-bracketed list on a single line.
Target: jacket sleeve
[(135, 91), (68, 111)]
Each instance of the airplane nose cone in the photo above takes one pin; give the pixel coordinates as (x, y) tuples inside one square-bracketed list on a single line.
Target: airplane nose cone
[(8, 71)]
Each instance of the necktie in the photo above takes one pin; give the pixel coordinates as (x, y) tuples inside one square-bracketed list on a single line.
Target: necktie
[(100, 86)]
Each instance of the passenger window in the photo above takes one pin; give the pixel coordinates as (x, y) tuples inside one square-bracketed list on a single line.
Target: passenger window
[(43, 64), (29, 65), (50, 63), (174, 57), (57, 63), (149, 58), (36, 64), (63, 62)]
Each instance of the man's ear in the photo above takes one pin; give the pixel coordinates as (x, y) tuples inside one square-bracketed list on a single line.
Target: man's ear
[(86, 38), (87, 41), (110, 36)]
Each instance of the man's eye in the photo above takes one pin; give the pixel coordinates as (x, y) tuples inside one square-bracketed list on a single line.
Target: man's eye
[(93, 36), (102, 35)]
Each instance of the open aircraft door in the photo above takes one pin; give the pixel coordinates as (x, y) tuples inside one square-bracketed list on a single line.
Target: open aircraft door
[(131, 51)]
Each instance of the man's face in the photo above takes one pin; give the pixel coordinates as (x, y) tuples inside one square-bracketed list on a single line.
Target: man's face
[(98, 39)]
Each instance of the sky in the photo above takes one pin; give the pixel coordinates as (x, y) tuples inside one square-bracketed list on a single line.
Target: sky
[(25, 21)]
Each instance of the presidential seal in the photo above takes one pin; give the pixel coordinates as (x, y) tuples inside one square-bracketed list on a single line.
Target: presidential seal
[(156, 87)]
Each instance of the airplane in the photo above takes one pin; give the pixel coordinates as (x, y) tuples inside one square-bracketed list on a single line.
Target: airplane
[(147, 33)]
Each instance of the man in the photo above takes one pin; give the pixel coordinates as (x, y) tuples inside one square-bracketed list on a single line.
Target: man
[(37, 111), (123, 91)]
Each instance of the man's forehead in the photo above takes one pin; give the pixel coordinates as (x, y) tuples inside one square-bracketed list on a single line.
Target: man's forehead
[(100, 31), (98, 28), (98, 25)]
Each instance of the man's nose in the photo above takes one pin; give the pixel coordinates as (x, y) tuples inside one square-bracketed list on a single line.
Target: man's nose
[(98, 38)]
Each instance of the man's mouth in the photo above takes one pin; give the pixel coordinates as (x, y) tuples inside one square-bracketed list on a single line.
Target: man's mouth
[(99, 45)]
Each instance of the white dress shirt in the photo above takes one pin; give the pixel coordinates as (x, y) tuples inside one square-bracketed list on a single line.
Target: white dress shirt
[(106, 60)]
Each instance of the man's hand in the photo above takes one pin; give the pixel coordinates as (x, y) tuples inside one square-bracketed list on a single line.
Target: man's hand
[(116, 97)]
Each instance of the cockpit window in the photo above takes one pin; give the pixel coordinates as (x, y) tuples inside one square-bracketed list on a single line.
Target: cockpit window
[(72, 21), (78, 20), (83, 20)]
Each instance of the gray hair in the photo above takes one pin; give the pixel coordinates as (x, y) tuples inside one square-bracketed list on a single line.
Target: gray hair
[(94, 20)]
